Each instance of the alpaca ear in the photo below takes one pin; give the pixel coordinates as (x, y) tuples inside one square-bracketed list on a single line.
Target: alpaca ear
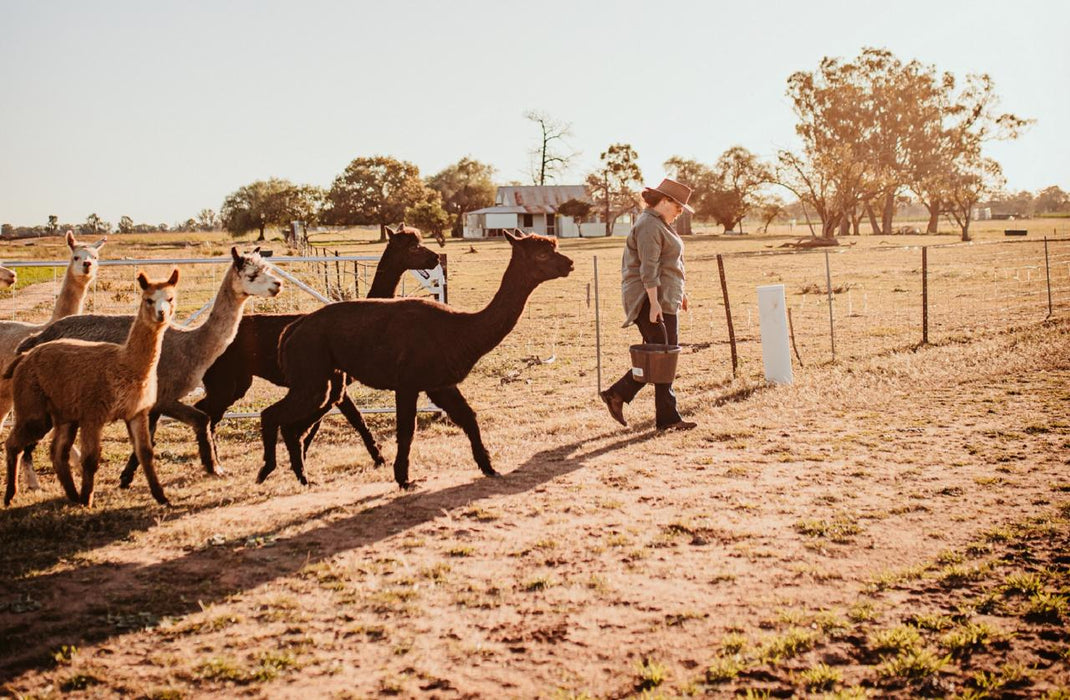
[(512, 239), (70, 240), (256, 251), (238, 262), (390, 232), (99, 244), (173, 279), (142, 280)]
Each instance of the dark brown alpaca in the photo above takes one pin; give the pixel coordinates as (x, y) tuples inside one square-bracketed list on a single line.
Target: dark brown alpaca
[(254, 352), (403, 345)]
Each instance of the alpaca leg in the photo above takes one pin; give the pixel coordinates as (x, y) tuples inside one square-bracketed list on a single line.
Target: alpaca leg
[(291, 436), (405, 409), (219, 396), (352, 414), (90, 443), (29, 476), (198, 420), (127, 477), (302, 402), (334, 394), (62, 439), (141, 438), (456, 407), (12, 453), (22, 434)]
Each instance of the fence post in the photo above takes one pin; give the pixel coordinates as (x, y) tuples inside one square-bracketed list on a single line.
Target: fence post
[(828, 281), (356, 280), (338, 274), (1047, 274), (728, 315), (597, 327), (925, 295), (442, 260)]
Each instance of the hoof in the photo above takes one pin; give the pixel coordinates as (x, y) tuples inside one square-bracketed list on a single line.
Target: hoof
[(408, 485), (265, 472), (379, 461), (162, 500), (218, 472), (489, 471)]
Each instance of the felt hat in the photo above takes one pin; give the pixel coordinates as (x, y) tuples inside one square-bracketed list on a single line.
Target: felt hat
[(676, 191)]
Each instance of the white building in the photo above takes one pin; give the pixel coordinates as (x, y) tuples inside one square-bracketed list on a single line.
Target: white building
[(533, 209)]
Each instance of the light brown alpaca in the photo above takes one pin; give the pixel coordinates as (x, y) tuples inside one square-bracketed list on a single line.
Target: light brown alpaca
[(77, 385), (7, 277), (81, 271), (187, 353)]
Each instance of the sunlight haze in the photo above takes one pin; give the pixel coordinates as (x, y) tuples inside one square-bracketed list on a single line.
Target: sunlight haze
[(157, 110)]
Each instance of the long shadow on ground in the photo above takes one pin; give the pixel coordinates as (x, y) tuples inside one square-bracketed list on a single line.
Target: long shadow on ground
[(183, 585)]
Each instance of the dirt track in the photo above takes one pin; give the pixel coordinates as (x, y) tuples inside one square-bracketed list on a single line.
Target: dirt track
[(607, 561)]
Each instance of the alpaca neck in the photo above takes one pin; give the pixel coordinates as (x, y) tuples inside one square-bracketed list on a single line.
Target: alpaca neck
[(141, 351), (213, 336), (499, 317), (387, 276), (71, 296)]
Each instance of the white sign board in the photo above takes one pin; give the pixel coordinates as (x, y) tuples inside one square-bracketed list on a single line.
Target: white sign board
[(773, 317)]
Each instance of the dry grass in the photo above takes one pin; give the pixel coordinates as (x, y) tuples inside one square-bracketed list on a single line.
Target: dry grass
[(744, 556)]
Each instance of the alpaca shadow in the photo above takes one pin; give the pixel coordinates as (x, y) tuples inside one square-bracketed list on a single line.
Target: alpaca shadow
[(211, 574)]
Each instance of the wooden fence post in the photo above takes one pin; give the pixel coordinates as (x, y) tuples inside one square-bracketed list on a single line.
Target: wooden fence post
[(1047, 274), (925, 295), (597, 327), (728, 315), (828, 281)]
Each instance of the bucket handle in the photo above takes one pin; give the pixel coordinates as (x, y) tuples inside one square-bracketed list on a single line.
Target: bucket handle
[(664, 330)]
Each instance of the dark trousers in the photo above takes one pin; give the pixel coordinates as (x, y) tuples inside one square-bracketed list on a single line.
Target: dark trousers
[(627, 387)]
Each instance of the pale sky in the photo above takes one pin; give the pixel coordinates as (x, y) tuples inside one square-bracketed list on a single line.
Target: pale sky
[(157, 109)]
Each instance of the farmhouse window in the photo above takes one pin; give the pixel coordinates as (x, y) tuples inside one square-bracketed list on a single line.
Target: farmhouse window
[(529, 220)]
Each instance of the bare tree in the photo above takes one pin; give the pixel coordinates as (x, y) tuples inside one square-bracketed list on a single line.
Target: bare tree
[(552, 155)]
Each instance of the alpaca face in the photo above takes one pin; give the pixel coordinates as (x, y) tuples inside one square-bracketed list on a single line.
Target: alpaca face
[(539, 256), (254, 275), (405, 247), (84, 256), (158, 298), (7, 277)]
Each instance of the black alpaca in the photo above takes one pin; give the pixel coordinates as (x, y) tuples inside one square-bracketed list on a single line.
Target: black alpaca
[(254, 351), (405, 346)]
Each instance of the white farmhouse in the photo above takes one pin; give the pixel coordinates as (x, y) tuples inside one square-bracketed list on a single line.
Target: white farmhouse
[(533, 209)]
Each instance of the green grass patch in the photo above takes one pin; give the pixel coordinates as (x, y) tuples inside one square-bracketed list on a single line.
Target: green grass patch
[(820, 678)]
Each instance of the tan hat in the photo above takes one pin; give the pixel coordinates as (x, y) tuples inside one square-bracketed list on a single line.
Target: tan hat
[(676, 191)]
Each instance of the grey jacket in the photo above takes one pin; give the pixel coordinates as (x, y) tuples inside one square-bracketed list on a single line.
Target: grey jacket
[(653, 257)]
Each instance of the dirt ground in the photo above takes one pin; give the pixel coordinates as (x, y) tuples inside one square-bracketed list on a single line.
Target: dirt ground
[(894, 526)]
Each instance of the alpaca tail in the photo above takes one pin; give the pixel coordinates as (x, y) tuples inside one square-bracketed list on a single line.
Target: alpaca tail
[(10, 371), (284, 339), (30, 342)]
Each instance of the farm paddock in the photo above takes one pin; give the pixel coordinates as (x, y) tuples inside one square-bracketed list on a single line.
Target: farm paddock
[(895, 523)]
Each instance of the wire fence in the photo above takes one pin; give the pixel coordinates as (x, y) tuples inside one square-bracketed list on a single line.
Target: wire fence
[(877, 307)]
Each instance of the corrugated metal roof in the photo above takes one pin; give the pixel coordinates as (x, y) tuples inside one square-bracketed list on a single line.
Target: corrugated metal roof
[(539, 200)]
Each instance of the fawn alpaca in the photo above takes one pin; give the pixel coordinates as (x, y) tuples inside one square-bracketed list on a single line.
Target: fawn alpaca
[(254, 352), (7, 277), (81, 271), (403, 345), (186, 353), (77, 385)]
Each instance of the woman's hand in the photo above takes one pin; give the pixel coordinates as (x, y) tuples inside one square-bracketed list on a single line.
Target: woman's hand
[(683, 304), (655, 311)]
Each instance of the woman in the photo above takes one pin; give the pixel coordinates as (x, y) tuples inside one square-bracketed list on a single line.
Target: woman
[(653, 292)]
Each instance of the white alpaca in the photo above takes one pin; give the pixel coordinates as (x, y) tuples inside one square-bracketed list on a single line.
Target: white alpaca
[(81, 271)]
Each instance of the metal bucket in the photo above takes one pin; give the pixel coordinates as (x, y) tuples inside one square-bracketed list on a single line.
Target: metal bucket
[(654, 363)]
